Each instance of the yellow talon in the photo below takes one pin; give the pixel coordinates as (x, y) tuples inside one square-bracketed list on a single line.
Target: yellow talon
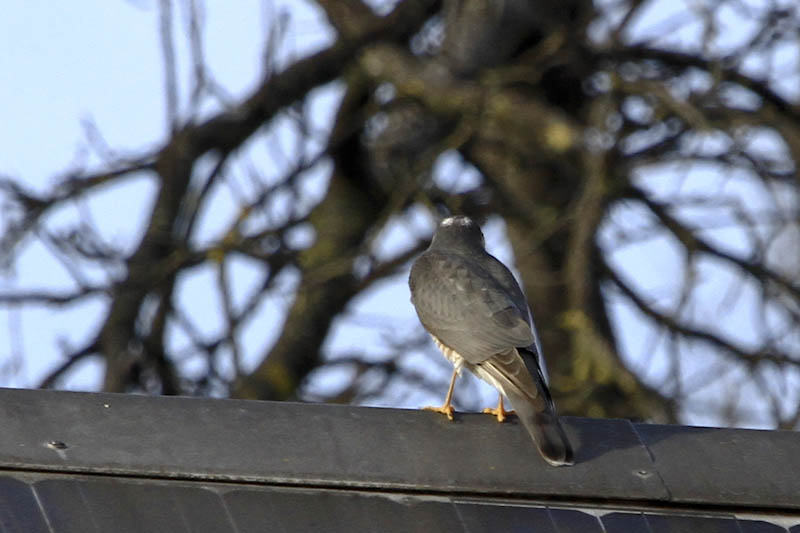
[(498, 411), (446, 409)]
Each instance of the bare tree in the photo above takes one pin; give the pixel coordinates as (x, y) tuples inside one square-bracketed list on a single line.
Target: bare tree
[(591, 133)]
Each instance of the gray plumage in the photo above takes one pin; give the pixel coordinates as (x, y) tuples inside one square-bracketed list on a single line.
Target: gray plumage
[(477, 314)]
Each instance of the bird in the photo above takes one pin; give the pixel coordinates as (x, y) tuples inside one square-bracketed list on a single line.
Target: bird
[(478, 316)]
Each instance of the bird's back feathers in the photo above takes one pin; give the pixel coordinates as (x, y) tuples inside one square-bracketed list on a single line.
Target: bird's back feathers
[(462, 305)]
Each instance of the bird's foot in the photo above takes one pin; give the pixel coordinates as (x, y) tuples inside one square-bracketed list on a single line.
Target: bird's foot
[(498, 412), (446, 409)]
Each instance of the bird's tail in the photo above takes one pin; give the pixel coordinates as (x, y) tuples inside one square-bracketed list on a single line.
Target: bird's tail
[(523, 383), (545, 428)]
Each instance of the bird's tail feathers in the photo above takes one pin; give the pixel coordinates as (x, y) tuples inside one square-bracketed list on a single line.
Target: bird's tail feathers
[(534, 407), (545, 428)]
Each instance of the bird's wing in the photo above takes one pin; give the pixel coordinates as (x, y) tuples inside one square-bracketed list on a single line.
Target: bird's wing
[(502, 274), (465, 308)]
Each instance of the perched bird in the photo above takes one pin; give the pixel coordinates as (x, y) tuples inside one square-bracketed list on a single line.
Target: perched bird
[(479, 318)]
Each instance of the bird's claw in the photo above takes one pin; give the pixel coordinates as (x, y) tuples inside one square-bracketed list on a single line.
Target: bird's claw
[(446, 409), (499, 412)]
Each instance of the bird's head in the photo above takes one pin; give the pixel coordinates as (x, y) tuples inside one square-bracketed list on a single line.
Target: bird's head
[(457, 232)]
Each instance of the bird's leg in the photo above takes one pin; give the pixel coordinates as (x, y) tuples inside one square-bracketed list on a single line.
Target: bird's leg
[(446, 409), (499, 412)]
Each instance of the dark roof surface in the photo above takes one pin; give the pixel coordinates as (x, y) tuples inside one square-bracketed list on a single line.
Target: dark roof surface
[(102, 462)]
